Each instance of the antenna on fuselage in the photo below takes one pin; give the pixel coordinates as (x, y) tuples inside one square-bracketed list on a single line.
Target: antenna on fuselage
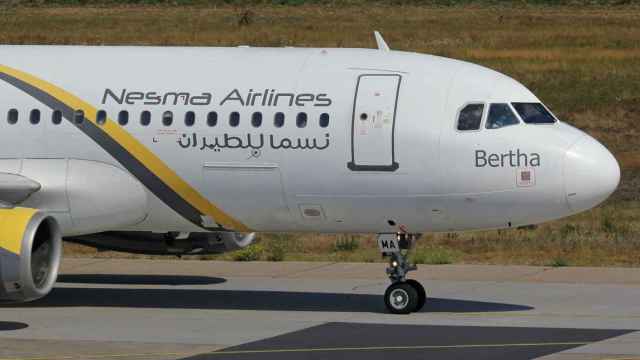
[(382, 45)]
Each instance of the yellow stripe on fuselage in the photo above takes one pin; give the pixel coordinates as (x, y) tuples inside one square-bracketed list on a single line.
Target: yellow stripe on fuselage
[(135, 148), (13, 223)]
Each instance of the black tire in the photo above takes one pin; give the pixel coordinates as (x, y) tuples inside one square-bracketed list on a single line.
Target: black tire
[(422, 294), (401, 298)]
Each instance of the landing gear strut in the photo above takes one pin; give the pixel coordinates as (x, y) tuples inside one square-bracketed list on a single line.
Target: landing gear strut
[(404, 295)]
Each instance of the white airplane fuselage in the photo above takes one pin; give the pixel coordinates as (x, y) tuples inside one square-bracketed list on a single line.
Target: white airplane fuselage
[(378, 142)]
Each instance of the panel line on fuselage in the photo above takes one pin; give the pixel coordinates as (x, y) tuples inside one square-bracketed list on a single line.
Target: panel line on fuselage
[(148, 168)]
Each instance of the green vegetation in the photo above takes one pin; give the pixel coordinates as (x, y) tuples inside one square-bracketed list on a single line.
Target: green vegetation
[(559, 262), (435, 255), (279, 245), (335, 3), (252, 252), (347, 243), (582, 61)]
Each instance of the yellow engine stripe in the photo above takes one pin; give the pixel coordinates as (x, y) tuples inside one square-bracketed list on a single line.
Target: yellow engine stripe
[(13, 223), (135, 148)]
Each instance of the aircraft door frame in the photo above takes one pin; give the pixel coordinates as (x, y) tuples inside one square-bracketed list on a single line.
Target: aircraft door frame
[(370, 122)]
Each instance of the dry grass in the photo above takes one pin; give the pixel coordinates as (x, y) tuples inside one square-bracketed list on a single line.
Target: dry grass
[(584, 62)]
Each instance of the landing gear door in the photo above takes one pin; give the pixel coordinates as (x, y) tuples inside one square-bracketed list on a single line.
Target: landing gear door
[(373, 123)]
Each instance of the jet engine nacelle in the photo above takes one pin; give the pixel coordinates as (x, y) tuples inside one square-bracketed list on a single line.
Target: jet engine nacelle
[(30, 252), (148, 243)]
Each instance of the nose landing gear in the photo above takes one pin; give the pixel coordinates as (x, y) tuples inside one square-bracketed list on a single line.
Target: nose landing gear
[(404, 295)]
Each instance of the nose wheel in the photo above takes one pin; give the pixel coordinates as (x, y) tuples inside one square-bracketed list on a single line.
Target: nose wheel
[(404, 295), (401, 298), (422, 293)]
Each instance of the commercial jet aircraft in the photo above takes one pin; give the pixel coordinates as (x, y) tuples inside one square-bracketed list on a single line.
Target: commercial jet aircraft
[(174, 150)]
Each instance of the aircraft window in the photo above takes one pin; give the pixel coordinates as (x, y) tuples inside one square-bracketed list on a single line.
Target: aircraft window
[(301, 120), (534, 113), (167, 118), (470, 117), (212, 118), (256, 119), (278, 119), (78, 117), (500, 115), (34, 117), (123, 117), (101, 117), (12, 116), (56, 117), (324, 120), (145, 118), (234, 119), (189, 118)]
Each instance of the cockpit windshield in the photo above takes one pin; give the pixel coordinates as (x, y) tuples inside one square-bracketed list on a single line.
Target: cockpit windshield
[(501, 115), (470, 117), (534, 113)]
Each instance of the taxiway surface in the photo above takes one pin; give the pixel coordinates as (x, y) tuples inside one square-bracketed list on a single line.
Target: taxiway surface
[(166, 309)]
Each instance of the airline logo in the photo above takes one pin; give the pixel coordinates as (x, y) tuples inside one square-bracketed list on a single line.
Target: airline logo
[(268, 97), (252, 141)]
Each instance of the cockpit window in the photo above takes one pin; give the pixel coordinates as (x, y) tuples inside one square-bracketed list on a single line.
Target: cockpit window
[(501, 115), (534, 113), (470, 117)]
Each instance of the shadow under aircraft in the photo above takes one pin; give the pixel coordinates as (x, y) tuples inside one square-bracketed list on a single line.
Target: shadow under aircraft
[(231, 299)]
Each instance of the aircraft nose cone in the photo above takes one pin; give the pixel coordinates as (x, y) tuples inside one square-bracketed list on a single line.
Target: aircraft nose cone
[(591, 174)]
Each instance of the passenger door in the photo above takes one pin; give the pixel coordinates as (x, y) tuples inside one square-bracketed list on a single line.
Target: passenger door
[(373, 123)]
